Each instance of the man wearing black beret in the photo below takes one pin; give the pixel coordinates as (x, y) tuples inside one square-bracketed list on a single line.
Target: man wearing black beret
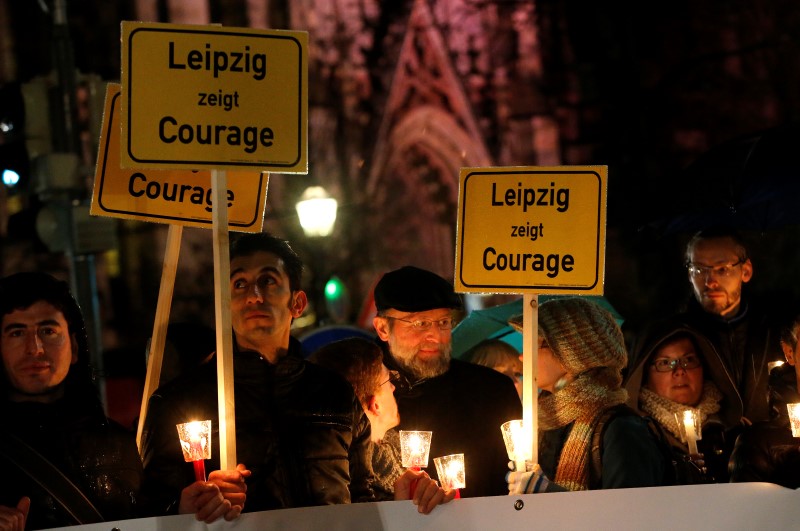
[(461, 403)]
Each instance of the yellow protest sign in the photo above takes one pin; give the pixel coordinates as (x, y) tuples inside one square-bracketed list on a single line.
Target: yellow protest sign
[(532, 230), (177, 197), (199, 97)]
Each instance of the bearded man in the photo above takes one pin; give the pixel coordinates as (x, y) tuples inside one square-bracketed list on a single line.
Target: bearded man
[(719, 268), (461, 403)]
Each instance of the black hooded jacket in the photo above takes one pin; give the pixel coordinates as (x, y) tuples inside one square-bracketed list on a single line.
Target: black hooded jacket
[(720, 430), (97, 455), (767, 451), (744, 344)]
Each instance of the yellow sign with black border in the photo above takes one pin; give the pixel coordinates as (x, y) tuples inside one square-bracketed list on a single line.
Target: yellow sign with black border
[(210, 97), (532, 229), (180, 197)]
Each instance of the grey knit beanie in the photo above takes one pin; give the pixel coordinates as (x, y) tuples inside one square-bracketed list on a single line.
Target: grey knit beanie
[(582, 335)]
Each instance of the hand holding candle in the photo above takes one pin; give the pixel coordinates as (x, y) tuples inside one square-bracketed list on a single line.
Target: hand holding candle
[(517, 443), (451, 472), (195, 440), (414, 449)]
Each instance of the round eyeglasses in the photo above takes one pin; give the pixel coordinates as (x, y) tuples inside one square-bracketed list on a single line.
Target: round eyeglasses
[(669, 365), (423, 325)]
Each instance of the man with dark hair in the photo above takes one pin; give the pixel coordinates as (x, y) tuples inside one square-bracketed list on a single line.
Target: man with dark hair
[(63, 461), (301, 435), (463, 404), (719, 266), (360, 362)]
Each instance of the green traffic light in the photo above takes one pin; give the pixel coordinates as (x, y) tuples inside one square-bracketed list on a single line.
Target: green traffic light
[(333, 288)]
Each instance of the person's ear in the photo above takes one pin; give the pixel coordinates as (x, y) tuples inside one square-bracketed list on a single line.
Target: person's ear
[(73, 342), (298, 303), (381, 325), (747, 270), (374, 407), (788, 351)]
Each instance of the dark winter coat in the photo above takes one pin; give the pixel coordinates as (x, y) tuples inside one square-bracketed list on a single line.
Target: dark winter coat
[(629, 454), (97, 455), (767, 451), (299, 429), (745, 344)]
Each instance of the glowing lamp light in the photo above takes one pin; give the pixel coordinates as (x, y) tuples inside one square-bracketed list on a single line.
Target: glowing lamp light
[(195, 440), (317, 212)]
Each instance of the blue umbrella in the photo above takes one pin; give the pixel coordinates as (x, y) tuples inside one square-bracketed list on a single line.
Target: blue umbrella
[(492, 323)]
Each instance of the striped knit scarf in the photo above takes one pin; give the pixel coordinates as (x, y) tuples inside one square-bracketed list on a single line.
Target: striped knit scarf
[(663, 409), (583, 401)]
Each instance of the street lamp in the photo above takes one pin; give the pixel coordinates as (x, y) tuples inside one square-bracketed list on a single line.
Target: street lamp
[(317, 212)]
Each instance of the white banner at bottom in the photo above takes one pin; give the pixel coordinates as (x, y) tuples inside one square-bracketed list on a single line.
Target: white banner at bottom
[(731, 507)]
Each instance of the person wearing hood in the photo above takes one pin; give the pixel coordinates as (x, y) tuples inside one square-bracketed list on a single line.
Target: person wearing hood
[(63, 462), (767, 451), (588, 438), (678, 369)]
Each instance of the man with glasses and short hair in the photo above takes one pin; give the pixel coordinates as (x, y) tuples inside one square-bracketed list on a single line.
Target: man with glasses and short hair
[(718, 265), (461, 403)]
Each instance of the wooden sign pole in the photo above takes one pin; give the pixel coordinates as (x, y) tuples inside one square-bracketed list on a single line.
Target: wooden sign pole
[(159, 338), (530, 361), (222, 310)]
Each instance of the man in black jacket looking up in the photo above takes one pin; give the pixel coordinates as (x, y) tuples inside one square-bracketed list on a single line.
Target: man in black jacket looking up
[(463, 404), (301, 435)]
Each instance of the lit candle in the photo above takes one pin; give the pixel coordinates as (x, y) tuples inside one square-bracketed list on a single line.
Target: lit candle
[(450, 469), (414, 449), (517, 442), (794, 418), (195, 440), (689, 419)]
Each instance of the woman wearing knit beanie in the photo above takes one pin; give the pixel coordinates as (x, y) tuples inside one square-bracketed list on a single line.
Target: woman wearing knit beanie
[(582, 404)]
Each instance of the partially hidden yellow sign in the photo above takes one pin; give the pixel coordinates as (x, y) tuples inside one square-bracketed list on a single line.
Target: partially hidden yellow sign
[(202, 97), (180, 197), (532, 230)]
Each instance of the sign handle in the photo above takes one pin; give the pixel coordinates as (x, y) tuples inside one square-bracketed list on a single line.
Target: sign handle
[(159, 339), (530, 361), (222, 310)]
